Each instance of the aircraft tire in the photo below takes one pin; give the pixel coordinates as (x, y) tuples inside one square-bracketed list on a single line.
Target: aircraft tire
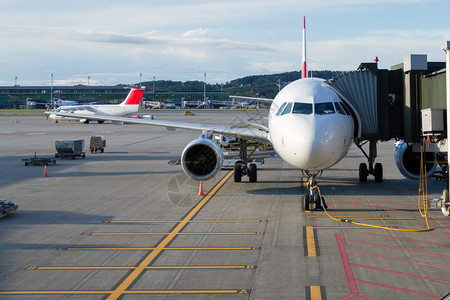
[(317, 204), (238, 172), (252, 173), (378, 172), (306, 201), (363, 172)]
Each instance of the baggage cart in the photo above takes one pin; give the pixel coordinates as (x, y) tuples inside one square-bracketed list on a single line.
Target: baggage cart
[(69, 149), (39, 161), (98, 143), (7, 207)]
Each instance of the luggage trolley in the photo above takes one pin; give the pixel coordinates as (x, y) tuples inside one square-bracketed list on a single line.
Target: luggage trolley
[(98, 143), (69, 149)]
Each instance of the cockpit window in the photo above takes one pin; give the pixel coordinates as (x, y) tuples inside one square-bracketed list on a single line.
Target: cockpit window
[(287, 109), (346, 108), (302, 108), (281, 108), (339, 108), (324, 108)]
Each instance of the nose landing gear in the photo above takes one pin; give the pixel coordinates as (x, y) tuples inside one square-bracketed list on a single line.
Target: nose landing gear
[(313, 198)]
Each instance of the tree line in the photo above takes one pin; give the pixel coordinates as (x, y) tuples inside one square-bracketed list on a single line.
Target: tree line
[(266, 86)]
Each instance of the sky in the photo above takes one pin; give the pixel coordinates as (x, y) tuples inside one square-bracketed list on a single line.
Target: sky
[(122, 42)]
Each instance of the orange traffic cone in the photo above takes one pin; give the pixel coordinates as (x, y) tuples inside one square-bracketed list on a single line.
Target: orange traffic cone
[(200, 189), (45, 171)]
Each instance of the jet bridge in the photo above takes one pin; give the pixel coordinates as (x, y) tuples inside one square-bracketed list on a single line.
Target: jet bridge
[(387, 105), (359, 90), (389, 102)]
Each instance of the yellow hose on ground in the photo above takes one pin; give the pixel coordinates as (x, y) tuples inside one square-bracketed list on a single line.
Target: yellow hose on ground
[(422, 184)]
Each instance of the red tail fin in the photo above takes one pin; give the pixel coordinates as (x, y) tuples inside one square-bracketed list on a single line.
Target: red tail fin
[(46, 110), (304, 69), (134, 96)]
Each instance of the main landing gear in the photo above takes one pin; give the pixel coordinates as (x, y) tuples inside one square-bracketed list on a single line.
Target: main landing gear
[(242, 167), (365, 171), (313, 198)]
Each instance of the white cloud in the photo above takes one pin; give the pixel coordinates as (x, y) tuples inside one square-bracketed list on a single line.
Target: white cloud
[(186, 53), (272, 67), (390, 47), (195, 32), (225, 38)]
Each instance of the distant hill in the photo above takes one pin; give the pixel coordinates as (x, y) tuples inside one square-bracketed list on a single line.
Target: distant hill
[(265, 86)]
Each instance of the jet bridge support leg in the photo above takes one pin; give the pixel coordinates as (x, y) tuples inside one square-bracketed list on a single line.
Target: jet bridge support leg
[(375, 170), (444, 201)]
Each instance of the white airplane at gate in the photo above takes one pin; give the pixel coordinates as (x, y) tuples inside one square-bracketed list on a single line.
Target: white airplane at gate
[(310, 126), (60, 102), (129, 106)]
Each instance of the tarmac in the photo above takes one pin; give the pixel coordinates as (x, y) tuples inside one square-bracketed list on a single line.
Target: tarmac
[(124, 224)]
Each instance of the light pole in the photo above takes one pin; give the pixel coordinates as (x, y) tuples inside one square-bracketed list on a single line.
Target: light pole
[(140, 79), (204, 88), (89, 79), (51, 90), (153, 84)]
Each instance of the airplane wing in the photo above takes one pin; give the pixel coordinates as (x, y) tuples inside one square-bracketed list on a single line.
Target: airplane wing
[(267, 100), (250, 131)]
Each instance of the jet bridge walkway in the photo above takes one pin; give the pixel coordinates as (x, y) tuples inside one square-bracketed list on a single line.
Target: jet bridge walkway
[(387, 104), (359, 90)]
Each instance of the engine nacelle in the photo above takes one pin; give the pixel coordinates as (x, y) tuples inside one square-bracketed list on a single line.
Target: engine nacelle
[(408, 162), (202, 159)]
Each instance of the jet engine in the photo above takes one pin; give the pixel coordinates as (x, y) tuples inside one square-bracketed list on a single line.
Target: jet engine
[(201, 159), (408, 162)]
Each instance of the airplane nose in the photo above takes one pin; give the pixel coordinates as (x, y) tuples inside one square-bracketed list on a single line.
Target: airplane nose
[(313, 144)]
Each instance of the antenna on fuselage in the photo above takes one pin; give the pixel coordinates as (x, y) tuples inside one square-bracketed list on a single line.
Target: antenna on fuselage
[(304, 69)]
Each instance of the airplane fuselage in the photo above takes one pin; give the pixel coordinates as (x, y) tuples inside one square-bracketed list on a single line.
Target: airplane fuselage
[(129, 106), (310, 127), (107, 110)]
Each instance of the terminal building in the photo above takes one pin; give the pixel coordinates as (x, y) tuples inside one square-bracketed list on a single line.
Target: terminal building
[(40, 96)]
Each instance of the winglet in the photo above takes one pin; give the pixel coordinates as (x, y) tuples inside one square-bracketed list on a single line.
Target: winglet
[(304, 69), (134, 96)]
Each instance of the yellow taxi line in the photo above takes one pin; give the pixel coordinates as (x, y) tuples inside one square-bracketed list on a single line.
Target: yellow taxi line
[(161, 246)]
